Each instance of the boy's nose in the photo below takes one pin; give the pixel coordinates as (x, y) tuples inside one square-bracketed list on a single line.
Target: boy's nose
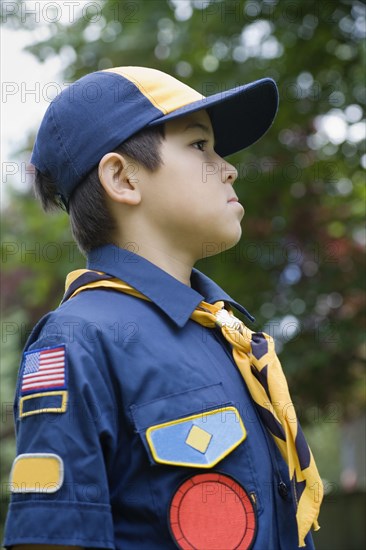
[(229, 172)]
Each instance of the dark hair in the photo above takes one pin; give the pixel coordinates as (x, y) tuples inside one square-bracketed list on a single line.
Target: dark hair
[(91, 223)]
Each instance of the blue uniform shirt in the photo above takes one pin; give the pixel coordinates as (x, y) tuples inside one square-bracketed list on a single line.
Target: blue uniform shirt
[(126, 365)]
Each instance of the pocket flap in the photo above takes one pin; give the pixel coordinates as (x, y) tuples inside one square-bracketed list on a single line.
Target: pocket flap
[(200, 440)]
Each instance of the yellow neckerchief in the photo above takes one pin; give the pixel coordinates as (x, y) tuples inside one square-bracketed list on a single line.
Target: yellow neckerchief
[(256, 359)]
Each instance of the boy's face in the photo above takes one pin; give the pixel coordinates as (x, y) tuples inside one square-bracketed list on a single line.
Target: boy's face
[(189, 199)]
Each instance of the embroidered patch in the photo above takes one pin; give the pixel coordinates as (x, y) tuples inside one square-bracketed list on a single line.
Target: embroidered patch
[(44, 369), (212, 511), (37, 473), (43, 402), (198, 441)]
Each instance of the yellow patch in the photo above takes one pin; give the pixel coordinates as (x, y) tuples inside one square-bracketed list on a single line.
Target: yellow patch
[(199, 439), (165, 92), (42, 403), (37, 473)]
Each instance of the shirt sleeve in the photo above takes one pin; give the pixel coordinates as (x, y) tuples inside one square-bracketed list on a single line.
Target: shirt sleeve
[(64, 417)]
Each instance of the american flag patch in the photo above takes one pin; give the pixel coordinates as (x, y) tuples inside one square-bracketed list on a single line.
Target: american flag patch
[(44, 369)]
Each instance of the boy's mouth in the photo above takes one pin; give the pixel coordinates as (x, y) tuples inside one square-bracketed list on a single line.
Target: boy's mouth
[(235, 200)]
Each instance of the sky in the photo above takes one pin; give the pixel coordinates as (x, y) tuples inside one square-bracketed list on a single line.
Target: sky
[(25, 90)]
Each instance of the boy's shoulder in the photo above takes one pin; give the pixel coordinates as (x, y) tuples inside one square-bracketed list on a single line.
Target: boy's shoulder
[(90, 316)]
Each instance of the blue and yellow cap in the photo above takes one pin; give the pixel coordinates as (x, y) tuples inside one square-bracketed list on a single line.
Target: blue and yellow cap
[(99, 111)]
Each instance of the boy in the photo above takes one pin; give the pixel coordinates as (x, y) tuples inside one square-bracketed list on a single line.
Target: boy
[(147, 415)]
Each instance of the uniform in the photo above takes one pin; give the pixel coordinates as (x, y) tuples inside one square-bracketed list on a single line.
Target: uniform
[(147, 419)]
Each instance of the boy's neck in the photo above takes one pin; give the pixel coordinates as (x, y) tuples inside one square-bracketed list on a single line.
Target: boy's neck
[(179, 268)]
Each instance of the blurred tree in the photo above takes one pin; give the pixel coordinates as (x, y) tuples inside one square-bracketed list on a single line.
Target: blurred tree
[(299, 267)]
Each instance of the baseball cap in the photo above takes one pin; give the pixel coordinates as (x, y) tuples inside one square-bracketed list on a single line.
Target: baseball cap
[(96, 113)]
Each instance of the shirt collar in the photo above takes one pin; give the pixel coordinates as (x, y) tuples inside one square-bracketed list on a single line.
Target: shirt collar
[(176, 299)]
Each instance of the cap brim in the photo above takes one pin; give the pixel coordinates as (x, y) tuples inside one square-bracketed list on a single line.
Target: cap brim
[(239, 116)]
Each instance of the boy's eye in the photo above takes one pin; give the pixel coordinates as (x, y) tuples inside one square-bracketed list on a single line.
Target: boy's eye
[(201, 144)]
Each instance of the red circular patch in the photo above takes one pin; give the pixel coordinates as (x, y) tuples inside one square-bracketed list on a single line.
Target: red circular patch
[(211, 512)]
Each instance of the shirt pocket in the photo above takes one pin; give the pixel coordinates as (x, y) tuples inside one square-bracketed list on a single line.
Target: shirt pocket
[(195, 428)]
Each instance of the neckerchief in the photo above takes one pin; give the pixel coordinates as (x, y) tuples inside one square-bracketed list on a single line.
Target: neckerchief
[(255, 356)]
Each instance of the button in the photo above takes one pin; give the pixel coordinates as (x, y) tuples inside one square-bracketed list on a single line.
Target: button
[(282, 489)]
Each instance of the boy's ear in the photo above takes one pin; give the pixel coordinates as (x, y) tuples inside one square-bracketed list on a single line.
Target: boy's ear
[(117, 176)]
